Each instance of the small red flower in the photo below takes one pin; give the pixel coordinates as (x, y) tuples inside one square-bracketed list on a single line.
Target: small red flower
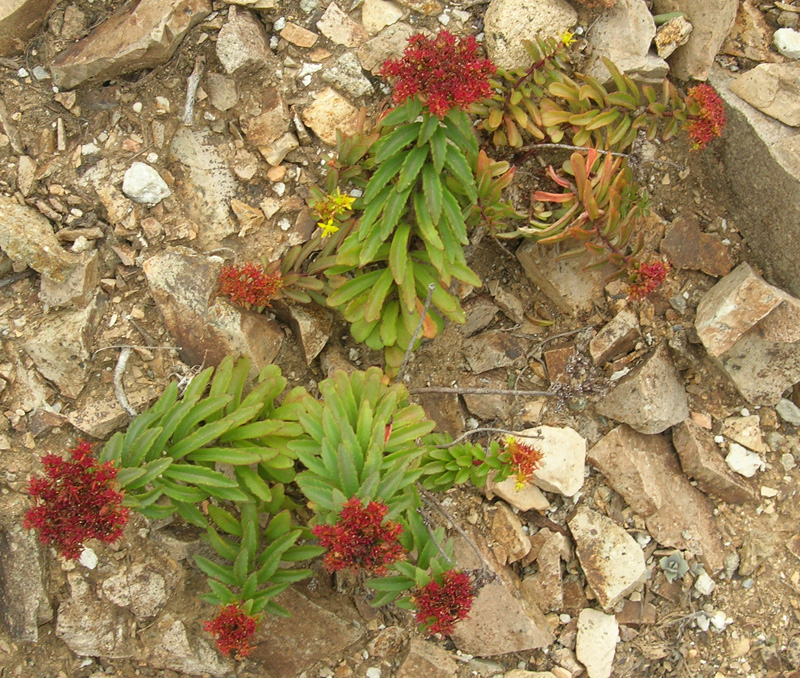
[(233, 628), (360, 539), (523, 458), (646, 278), (706, 115), (444, 72), (441, 605), (249, 285), (76, 501)]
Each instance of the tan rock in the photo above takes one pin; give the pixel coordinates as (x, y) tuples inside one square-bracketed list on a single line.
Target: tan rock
[(616, 338), (427, 7), (750, 36), (388, 44), (340, 28), (745, 431), (327, 113), (526, 498), (687, 247), (298, 35), (507, 532), (774, 89), (144, 36), (378, 14), (427, 659), (490, 350)]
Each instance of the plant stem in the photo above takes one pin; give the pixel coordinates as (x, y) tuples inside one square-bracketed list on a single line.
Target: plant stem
[(480, 391), (417, 330)]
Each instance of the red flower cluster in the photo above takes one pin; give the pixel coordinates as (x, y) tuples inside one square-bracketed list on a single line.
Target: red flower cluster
[(249, 285), (360, 538), (706, 115), (233, 628), (524, 459), (444, 72), (646, 278), (78, 502), (441, 605)]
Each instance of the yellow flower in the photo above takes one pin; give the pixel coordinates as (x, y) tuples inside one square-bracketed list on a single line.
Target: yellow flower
[(343, 202), (328, 227), (567, 37)]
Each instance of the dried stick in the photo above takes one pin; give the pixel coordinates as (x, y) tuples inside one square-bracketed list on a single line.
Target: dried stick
[(119, 370), (480, 391), (486, 430), (417, 330), (191, 90)]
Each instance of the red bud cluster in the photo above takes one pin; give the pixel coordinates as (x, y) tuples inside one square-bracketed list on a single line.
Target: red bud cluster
[(441, 605), (233, 628)]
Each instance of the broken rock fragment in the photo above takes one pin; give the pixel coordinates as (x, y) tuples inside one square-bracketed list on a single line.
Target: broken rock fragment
[(612, 561), (616, 338), (563, 457), (327, 113), (773, 89), (687, 247), (645, 471), (340, 28), (596, 642), (19, 20), (242, 44), (651, 398)]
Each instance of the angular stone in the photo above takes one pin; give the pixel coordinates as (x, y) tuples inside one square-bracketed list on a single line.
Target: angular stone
[(427, 7), (311, 634), (205, 185), (298, 35), (19, 20), (650, 398), (507, 533), (488, 406), (143, 36), (426, 659), (645, 471), (329, 112), (701, 460), (222, 91), (270, 123), (787, 42), (546, 586), (596, 642), (388, 44), (378, 14), (712, 21), (345, 74), (671, 35), (144, 587), (184, 286), (445, 409), (566, 282), (557, 360), (493, 349), (774, 89), (637, 613), (173, 648), (255, 4), (744, 461), (788, 411), (527, 498), (617, 337), (751, 35), (143, 183), (687, 247), (745, 431), (27, 237), (23, 600), (612, 561), (242, 44), (340, 28), (623, 34), (99, 416), (312, 327), (77, 289), (759, 546), (508, 22), (59, 347), (480, 312), (563, 458)]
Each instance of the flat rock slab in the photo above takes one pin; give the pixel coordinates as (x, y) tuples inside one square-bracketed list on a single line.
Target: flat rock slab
[(388, 44), (650, 398), (612, 561), (427, 659), (176, 648), (596, 642), (563, 458), (491, 350), (774, 89), (289, 646), (616, 338), (644, 469), (329, 112), (687, 247), (143, 36), (702, 461)]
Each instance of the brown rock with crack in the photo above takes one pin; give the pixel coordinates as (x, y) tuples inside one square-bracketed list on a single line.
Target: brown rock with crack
[(143, 35), (773, 89), (687, 247), (701, 460), (19, 20), (644, 469), (427, 659), (493, 349)]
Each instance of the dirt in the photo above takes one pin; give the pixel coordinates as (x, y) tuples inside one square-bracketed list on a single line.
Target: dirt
[(764, 608)]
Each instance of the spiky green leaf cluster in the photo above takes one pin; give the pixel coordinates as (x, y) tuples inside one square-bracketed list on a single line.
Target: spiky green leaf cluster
[(445, 465)]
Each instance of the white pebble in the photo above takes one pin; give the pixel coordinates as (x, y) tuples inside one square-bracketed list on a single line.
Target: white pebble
[(137, 107), (279, 25), (787, 42), (704, 584), (144, 184), (88, 558), (743, 461)]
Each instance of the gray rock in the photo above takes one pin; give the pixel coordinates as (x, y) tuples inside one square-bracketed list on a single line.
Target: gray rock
[(566, 282), (346, 75), (770, 150), (242, 44), (340, 28), (617, 337), (508, 22), (329, 112), (427, 659), (480, 312), (563, 458), (143, 183), (59, 346), (27, 237), (488, 406), (624, 33), (270, 122), (99, 415), (702, 461), (490, 350), (596, 642), (388, 44), (788, 411), (774, 89), (275, 152), (184, 285), (144, 587), (23, 601), (612, 561), (222, 91), (758, 546), (19, 20), (79, 287), (650, 398), (787, 42), (143, 36), (174, 647), (645, 471), (712, 21), (311, 325), (205, 185)]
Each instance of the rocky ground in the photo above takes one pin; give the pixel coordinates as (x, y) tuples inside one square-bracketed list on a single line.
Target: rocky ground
[(661, 537)]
